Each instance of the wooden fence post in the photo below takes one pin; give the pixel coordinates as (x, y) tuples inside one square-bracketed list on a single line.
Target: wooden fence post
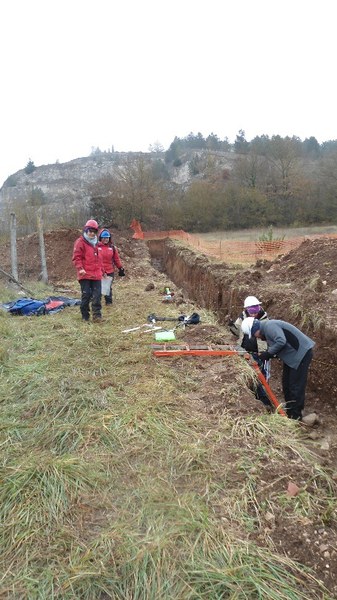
[(14, 257), (42, 247)]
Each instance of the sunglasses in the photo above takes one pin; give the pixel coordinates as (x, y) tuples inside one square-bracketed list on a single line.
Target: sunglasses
[(90, 230)]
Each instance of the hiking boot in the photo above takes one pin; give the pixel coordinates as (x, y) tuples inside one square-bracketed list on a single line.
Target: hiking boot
[(97, 320)]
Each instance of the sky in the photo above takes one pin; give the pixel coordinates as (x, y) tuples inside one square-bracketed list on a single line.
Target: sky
[(80, 74)]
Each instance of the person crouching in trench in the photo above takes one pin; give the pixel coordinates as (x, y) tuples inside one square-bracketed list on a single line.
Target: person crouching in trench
[(295, 349)]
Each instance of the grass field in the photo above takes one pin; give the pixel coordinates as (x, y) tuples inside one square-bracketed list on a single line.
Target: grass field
[(278, 232), (114, 486)]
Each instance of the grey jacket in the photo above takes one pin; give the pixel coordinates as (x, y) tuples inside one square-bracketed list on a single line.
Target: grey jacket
[(286, 341)]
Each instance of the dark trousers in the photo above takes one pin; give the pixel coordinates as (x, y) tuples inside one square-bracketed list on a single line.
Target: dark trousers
[(260, 392), (294, 382), (108, 298), (91, 291)]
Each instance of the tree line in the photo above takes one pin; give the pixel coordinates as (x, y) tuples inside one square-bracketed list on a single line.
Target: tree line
[(273, 181), (268, 181)]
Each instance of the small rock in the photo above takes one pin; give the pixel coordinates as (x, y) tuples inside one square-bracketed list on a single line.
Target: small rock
[(323, 547), (269, 516), (150, 286), (310, 419), (325, 445), (292, 489)]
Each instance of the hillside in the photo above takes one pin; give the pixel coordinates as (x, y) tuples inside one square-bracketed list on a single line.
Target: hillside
[(66, 187)]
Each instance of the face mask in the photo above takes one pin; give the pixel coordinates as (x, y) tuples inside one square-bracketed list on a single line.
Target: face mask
[(253, 310)]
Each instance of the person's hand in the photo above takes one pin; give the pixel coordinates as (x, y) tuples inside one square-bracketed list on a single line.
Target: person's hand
[(82, 272), (265, 355), (121, 272)]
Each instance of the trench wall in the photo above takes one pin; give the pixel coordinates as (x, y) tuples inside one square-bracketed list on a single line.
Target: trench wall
[(206, 282)]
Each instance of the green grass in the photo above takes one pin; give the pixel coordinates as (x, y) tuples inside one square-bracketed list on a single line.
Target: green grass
[(113, 485), (252, 235)]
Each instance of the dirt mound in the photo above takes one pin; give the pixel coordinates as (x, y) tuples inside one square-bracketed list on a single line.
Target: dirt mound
[(313, 263), (59, 246)]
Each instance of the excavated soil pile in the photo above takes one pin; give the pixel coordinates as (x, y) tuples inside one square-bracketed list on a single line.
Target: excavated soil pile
[(58, 249)]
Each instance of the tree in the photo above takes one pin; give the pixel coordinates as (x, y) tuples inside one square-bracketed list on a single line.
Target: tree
[(241, 145), (283, 156), (30, 167), (311, 147), (245, 208), (156, 147), (213, 142), (37, 197), (200, 206), (135, 191), (248, 169)]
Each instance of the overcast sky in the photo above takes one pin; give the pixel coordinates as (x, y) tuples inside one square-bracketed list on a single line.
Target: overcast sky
[(78, 74)]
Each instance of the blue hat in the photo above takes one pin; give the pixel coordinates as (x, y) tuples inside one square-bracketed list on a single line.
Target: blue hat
[(105, 234), (255, 327)]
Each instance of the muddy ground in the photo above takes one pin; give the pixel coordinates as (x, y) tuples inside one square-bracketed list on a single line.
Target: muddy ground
[(300, 287)]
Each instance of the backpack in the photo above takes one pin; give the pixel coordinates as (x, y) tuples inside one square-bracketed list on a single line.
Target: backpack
[(28, 307)]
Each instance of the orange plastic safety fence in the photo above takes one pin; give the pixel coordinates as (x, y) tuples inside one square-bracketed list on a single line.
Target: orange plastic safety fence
[(231, 251)]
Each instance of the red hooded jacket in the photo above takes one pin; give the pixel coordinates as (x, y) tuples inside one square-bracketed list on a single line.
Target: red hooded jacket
[(87, 257), (110, 257)]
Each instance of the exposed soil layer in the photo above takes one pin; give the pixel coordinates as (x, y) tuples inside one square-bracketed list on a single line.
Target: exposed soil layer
[(300, 287)]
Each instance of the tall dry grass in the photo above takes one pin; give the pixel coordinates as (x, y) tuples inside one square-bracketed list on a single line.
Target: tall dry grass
[(114, 486)]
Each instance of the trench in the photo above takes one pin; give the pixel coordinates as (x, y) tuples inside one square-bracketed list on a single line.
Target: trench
[(219, 287), (210, 284)]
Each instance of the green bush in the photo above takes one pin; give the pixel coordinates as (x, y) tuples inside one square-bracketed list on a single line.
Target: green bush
[(269, 236), (30, 167)]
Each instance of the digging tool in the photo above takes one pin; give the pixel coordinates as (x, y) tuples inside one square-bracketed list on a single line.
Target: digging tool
[(267, 388), (150, 327), (221, 351), (153, 318), (192, 319)]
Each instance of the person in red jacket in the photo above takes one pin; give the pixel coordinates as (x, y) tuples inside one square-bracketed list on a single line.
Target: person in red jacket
[(88, 262), (110, 258)]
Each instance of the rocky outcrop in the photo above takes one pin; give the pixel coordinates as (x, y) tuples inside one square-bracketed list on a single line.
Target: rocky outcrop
[(64, 188)]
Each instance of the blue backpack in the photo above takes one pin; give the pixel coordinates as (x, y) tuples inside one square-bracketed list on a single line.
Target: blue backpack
[(27, 307)]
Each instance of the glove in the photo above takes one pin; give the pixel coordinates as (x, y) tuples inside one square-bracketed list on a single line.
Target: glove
[(265, 355), (249, 343), (121, 272)]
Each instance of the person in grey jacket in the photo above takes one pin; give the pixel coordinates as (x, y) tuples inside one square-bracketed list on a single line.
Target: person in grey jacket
[(294, 348)]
